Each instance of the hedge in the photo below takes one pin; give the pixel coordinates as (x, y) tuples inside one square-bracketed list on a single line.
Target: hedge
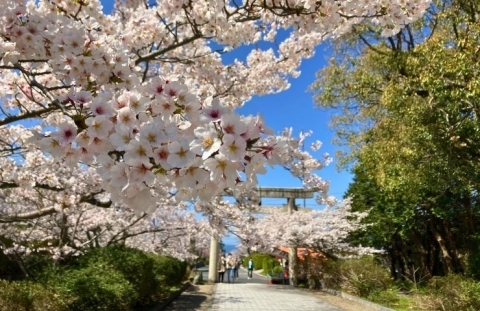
[(104, 279), (26, 295)]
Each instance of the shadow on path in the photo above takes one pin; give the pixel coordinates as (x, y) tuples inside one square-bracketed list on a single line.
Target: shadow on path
[(196, 297)]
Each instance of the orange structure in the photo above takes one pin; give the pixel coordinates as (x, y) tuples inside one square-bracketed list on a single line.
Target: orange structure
[(302, 252)]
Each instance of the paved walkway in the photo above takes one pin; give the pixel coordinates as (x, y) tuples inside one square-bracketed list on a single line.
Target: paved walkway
[(258, 295)]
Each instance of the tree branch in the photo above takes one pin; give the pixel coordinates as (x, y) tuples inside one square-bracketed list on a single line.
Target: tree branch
[(152, 55), (28, 215)]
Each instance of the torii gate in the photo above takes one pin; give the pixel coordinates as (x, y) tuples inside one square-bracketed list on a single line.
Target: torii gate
[(269, 192)]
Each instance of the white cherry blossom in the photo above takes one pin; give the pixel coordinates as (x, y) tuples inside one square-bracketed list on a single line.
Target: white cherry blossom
[(222, 171), (233, 147), (66, 135), (99, 126), (139, 172), (232, 125), (180, 154), (138, 150), (207, 141), (153, 133)]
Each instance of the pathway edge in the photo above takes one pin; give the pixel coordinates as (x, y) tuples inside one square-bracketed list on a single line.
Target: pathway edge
[(356, 299), (174, 296)]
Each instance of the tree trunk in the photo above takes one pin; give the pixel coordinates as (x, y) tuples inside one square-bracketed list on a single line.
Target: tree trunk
[(459, 264), (393, 263), (18, 259), (400, 268), (292, 265), (424, 271), (309, 268), (446, 259)]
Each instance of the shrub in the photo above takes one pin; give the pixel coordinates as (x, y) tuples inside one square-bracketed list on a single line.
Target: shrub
[(269, 263), (36, 262), (452, 292), (388, 298), (258, 259), (95, 288), (26, 295), (311, 272), (135, 266), (277, 269), (361, 277), (332, 274), (473, 264), (168, 271), (106, 277), (245, 262), (9, 268), (111, 278)]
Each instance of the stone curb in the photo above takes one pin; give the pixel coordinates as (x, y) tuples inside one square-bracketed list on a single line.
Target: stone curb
[(174, 296), (364, 302)]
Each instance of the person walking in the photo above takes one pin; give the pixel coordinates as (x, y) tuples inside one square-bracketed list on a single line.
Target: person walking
[(236, 267), (230, 265), (221, 269), (250, 268)]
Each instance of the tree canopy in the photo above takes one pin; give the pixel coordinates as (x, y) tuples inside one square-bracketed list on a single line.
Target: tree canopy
[(409, 114)]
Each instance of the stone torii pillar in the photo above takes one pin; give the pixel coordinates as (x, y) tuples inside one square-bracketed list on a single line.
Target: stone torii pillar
[(213, 259), (292, 250)]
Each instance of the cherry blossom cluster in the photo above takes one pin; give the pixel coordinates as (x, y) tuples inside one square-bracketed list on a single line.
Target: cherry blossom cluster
[(322, 230), (173, 139)]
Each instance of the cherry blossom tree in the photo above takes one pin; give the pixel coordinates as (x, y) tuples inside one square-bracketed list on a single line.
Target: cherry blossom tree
[(324, 230), (143, 95), (47, 207)]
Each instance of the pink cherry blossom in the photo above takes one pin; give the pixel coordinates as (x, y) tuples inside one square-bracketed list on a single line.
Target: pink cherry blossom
[(67, 134)]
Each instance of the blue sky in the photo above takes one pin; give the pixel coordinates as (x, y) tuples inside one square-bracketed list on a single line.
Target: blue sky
[(293, 108)]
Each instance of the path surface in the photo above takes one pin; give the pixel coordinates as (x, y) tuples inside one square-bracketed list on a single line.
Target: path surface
[(257, 295)]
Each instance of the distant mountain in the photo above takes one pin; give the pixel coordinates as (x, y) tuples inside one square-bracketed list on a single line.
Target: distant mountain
[(229, 248)]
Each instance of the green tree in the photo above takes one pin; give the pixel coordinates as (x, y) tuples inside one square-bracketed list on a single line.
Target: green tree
[(409, 115)]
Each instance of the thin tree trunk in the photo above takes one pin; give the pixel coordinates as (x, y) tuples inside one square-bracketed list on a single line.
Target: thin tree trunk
[(446, 259), (425, 271), (19, 261), (458, 264)]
